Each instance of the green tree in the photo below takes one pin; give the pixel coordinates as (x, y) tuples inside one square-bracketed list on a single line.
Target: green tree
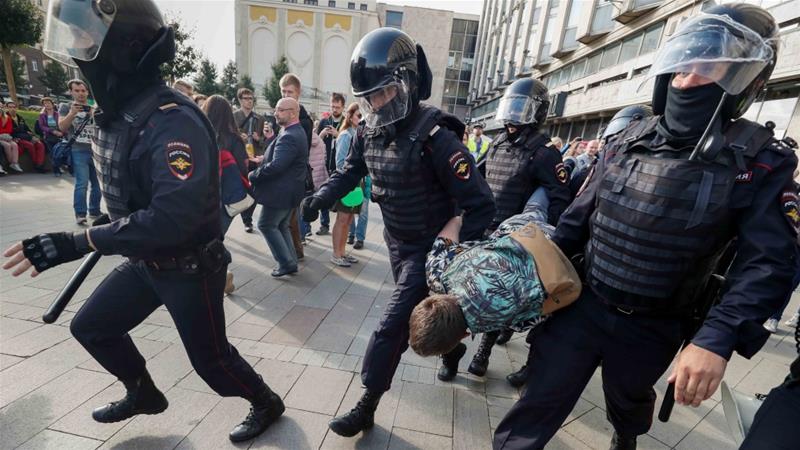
[(206, 80), (20, 24), (229, 81), (186, 55), (17, 70), (272, 90), (246, 82), (54, 77)]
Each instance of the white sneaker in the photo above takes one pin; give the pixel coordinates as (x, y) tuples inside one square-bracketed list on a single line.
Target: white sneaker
[(351, 259), (2, 171), (792, 322), (81, 220), (771, 325), (15, 167), (341, 262)]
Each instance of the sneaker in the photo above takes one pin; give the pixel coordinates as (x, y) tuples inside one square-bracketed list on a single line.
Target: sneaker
[(2, 171), (771, 325), (94, 217), (248, 228), (351, 239), (792, 322), (358, 245), (323, 231), (81, 220), (15, 167), (341, 262), (308, 234), (351, 259)]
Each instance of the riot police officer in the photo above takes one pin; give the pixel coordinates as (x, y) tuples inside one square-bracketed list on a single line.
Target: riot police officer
[(653, 220), (159, 168), (421, 172), (521, 159)]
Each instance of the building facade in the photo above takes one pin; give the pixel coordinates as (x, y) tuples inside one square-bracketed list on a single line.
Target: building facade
[(318, 38), (594, 56)]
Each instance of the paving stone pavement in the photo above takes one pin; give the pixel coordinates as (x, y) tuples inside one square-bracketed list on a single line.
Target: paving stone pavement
[(306, 335)]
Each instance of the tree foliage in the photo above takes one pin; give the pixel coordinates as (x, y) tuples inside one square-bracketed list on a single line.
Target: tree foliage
[(17, 69), (55, 77), (229, 82), (246, 82), (186, 56), (20, 24), (206, 80), (272, 90)]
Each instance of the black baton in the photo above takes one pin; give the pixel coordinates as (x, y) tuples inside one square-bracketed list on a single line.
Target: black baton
[(66, 294)]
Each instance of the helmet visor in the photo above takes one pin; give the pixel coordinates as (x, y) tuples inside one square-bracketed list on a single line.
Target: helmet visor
[(385, 105), (75, 29), (715, 47), (517, 109)]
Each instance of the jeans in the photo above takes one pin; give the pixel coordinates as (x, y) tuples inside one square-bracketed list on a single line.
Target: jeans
[(305, 227), (325, 218), (358, 227), (85, 174), (274, 225)]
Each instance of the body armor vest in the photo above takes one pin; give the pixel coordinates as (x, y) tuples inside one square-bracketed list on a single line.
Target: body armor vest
[(112, 150), (661, 223), (413, 202), (508, 175)]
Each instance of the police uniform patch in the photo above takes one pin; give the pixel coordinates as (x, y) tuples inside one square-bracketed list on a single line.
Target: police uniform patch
[(460, 165), (744, 177), (179, 160), (561, 173), (789, 201)]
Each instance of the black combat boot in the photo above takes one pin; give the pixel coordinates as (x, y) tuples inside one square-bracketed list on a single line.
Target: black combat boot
[(143, 397), (504, 336), (265, 409), (360, 418), (480, 362), (518, 378), (450, 360), (622, 442)]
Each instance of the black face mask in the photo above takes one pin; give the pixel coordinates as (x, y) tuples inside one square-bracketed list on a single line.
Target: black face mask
[(688, 111)]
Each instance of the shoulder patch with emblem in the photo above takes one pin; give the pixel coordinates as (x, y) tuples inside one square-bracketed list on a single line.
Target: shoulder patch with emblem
[(789, 204), (561, 173), (460, 165), (179, 160)]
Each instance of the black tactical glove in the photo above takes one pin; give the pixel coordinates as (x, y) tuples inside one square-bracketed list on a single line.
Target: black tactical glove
[(310, 208), (49, 250)]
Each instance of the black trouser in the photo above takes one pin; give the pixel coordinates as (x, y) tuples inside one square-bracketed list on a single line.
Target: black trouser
[(132, 292), (390, 339), (247, 215), (634, 350), (775, 426)]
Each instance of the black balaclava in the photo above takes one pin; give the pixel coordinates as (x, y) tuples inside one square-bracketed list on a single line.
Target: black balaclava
[(687, 112)]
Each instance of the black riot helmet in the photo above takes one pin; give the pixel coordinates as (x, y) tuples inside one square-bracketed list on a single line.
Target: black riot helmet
[(623, 117), (734, 44), (117, 44), (524, 102), (390, 75)]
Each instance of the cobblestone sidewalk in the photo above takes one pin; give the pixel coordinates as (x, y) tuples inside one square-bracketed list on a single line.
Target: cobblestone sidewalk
[(306, 335)]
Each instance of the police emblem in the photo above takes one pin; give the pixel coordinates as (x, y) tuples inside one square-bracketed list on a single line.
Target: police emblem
[(460, 166), (179, 160), (789, 202), (561, 173)]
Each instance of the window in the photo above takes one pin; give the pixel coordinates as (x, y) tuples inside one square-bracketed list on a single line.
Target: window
[(571, 28), (593, 63), (652, 36), (331, 3), (592, 127), (630, 48), (602, 22), (578, 69), (610, 56), (310, 2), (351, 5), (394, 19), (456, 41), (363, 6), (34, 65)]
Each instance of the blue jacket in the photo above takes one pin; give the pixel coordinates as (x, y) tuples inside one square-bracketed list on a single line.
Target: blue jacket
[(279, 182)]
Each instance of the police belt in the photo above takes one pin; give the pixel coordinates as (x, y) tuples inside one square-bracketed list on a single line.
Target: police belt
[(614, 299), (207, 258)]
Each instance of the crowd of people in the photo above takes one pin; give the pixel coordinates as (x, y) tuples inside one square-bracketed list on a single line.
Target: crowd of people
[(606, 251)]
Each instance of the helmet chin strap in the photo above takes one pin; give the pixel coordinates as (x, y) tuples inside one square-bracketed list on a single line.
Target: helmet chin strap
[(711, 141)]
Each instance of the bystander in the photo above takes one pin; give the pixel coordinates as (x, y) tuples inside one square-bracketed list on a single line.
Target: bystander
[(25, 139), (328, 130)]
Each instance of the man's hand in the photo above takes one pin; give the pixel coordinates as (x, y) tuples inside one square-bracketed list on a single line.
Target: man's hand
[(75, 109), (42, 252), (310, 208), (244, 136), (696, 375), (57, 133)]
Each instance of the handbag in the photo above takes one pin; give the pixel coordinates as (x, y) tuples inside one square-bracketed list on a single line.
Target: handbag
[(234, 186), (61, 155)]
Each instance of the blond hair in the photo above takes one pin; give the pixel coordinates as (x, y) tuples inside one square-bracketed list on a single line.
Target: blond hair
[(290, 79), (437, 325)]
